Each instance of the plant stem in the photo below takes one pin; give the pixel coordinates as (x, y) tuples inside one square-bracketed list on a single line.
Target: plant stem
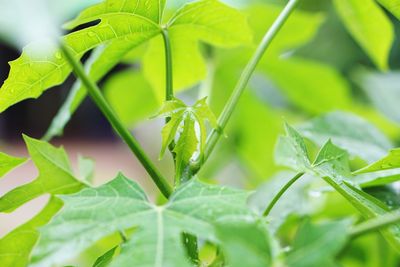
[(375, 224), (245, 77), (169, 92), (281, 192), (106, 109)]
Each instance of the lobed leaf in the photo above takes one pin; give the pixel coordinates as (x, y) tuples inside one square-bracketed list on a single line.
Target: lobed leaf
[(36, 71), (121, 204), (55, 176), (7, 163), (16, 246), (332, 165)]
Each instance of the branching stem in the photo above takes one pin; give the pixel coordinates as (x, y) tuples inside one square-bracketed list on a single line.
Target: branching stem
[(281, 192), (108, 112)]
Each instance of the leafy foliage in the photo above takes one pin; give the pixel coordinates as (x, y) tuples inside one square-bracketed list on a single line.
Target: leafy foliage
[(55, 176), (182, 122), (157, 240), (301, 75)]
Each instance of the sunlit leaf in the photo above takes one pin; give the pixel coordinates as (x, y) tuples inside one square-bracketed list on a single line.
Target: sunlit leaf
[(55, 176), (369, 26), (16, 246), (7, 163), (86, 218), (43, 66), (390, 161), (391, 5)]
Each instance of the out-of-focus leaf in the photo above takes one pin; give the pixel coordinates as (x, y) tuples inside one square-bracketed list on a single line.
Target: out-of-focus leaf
[(391, 5), (86, 218), (390, 161), (15, 247), (369, 26), (296, 200), (55, 176), (311, 86), (300, 27), (383, 90), (317, 245), (378, 178), (7, 163), (86, 169), (131, 97), (245, 243), (349, 132), (207, 21), (256, 141)]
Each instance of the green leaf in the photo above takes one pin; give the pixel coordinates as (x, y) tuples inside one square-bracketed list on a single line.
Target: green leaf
[(336, 172), (123, 25), (105, 259), (183, 121), (15, 247), (377, 178), (55, 176), (332, 165), (121, 204), (300, 27), (7, 163), (291, 151), (391, 5), (86, 169), (390, 161), (317, 245), (208, 21), (131, 97), (357, 136), (245, 243), (382, 90), (301, 81), (369, 26)]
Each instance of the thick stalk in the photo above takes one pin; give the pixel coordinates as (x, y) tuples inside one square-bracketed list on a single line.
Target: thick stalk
[(105, 108), (281, 192), (375, 224), (245, 77)]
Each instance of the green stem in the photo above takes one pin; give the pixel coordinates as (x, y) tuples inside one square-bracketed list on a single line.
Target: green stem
[(105, 108), (375, 224), (281, 192), (169, 93), (245, 77)]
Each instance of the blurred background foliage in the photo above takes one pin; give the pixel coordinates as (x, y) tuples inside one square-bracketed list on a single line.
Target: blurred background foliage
[(326, 59)]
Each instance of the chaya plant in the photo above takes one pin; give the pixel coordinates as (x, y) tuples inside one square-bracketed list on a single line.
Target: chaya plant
[(196, 215)]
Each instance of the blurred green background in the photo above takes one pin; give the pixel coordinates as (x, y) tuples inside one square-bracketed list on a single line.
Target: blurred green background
[(326, 59)]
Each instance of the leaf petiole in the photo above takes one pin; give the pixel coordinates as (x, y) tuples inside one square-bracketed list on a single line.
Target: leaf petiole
[(98, 98), (281, 192), (375, 224)]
